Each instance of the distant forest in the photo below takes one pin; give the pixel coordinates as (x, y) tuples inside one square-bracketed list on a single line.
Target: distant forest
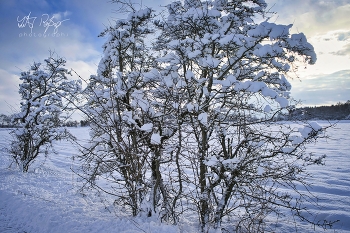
[(340, 111)]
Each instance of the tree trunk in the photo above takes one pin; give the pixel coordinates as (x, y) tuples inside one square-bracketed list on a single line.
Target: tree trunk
[(204, 193)]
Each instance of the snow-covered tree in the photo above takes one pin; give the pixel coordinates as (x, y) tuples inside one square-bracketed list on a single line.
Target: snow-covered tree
[(227, 69), (43, 90), (119, 150)]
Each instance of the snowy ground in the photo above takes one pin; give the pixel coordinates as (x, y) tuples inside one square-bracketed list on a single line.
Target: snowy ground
[(47, 199)]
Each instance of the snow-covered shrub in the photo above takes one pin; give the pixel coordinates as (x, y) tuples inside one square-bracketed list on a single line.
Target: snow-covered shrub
[(227, 75), (119, 150), (43, 90), (189, 123)]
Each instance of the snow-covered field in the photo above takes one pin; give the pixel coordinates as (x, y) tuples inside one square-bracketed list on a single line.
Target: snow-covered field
[(47, 199)]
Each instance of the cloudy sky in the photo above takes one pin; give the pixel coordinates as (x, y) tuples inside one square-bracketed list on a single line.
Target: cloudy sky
[(325, 23)]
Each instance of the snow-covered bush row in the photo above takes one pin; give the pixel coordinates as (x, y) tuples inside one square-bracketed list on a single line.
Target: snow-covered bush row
[(174, 124)]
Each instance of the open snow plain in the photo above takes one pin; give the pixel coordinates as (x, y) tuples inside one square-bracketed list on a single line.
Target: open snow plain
[(47, 199)]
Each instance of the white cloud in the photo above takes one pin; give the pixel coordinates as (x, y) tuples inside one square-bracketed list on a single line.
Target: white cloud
[(313, 17), (83, 69), (60, 16), (9, 97), (323, 89), (328, 48), (343, 35), (345, 51)]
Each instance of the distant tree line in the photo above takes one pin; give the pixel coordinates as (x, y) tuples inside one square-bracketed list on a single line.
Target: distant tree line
[(84, 123), (6, 122), (339, 111)]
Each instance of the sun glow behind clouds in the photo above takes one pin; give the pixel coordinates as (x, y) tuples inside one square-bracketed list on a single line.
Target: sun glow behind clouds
[(326, 24), (333, 53), (328, 81)]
